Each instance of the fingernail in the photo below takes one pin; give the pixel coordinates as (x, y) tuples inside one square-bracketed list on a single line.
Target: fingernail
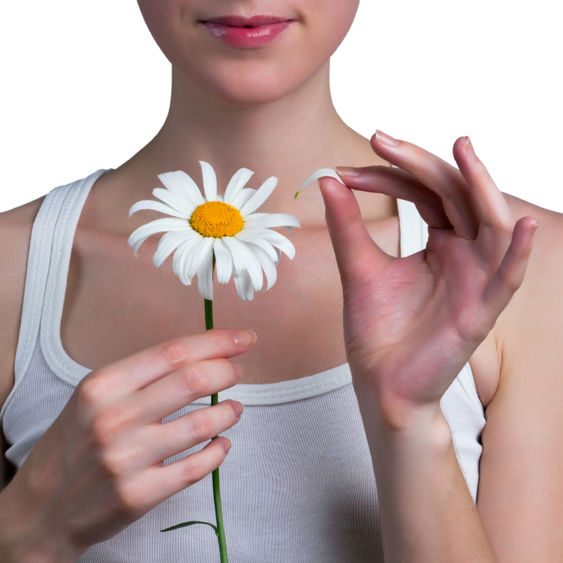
[(347, 171), (385, 139), (245, 338), (226, 444), (237, 407)]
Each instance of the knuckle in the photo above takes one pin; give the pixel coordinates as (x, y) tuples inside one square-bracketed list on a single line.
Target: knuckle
[(196, 469), (129, 501), (200, 425), (103, 428), (193, 380), (472, 327), (112, 462), (92, 390), (226, 371), (172, 352), (509, 282)]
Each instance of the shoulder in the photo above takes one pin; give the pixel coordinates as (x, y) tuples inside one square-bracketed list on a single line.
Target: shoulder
[(522, 444), (535, 313), (15, 233)]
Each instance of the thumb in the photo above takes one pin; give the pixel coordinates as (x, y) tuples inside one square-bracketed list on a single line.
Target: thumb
[(356, 253)]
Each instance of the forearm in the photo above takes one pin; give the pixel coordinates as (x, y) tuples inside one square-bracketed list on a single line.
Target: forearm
[(23, 537), (427, 513)]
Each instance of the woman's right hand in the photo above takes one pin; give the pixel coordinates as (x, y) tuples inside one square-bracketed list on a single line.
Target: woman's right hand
[(98, 468)]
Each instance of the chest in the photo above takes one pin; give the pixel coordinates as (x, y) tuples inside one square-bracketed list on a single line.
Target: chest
[(116, 305)]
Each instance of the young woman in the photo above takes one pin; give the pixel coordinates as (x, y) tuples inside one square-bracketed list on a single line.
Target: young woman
[(438, 374)]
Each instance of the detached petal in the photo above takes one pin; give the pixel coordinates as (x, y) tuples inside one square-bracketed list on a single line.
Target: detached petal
[(209, 181), (237, 183), (321, 173), (261, 195)]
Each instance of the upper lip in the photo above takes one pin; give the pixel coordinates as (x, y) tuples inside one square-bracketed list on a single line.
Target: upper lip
[(241, 21)]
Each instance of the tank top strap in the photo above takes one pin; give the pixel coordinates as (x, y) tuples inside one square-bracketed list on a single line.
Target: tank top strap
[(50, 246), (413, 231)]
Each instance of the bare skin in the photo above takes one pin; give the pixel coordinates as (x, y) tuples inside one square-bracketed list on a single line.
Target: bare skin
[(100, 326)]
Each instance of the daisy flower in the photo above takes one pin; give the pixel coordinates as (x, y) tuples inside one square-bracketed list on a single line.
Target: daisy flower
[(205, 226)]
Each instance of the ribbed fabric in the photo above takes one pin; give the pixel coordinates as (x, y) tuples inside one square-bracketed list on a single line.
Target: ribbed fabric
[(297, 485)]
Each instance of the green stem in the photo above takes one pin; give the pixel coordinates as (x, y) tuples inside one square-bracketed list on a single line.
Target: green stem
[(216, 492)]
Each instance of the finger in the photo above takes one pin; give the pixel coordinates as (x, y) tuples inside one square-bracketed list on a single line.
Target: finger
[(491, 207), (139, 370), (171, 438), (355, 251), (180, 388), (150, 487), (437, 175), (399, 184), (510, 273)]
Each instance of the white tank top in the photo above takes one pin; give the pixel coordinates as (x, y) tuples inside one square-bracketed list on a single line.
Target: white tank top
[(298, 483)]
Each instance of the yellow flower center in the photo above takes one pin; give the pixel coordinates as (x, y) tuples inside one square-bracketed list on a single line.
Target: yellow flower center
[(216, 219)]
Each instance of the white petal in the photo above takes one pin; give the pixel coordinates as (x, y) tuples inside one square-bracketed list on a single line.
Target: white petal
[(268, 266), (205, 278), (279, 241), (262, 220), (181, 257), (209, 181), (261, 195), (138, 236), (244, 286), (237, 183), (200, 255), (180, 202), (242, 197), (169, 243), (244, 259), (178, 182), (321, 173), (155, 206), (252, 236), (223, 261)]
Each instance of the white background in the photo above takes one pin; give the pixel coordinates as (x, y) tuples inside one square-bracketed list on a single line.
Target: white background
[(426, 71)]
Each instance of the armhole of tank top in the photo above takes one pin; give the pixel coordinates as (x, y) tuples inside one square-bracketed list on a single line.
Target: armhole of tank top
[(38, 261)]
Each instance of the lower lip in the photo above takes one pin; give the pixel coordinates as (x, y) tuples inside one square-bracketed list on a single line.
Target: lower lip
[(246, 37)]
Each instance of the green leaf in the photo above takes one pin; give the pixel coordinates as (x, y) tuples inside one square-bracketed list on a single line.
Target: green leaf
[(191, 523)]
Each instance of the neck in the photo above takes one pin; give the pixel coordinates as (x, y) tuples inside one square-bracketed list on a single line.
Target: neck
[(289, 137)]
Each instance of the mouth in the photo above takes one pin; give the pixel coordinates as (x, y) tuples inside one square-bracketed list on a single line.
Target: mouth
[(241, 21), (246, 33)]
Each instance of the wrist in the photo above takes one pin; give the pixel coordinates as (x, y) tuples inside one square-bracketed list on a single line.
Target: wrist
[(24, 535)]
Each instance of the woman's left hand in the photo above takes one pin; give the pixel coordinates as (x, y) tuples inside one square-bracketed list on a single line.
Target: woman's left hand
[(412, 323)]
